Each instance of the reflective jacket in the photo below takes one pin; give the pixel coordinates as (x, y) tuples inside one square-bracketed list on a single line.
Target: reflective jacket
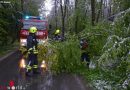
[(32, 44)]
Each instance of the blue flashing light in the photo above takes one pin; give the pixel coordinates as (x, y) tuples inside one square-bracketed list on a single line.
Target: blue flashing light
[(41, 18), (26, 17)]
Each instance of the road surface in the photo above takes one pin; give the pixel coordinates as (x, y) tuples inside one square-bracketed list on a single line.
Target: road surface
[(10, 76)]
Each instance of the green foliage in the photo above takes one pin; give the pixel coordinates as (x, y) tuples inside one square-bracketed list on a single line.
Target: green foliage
[(117, 46), (68, 56), (9, 15), (33, 8), (114, 60), (3, 37), (121, 26), (8, 21), (108, 45), (123, 4), (96, 37), (110, 42)]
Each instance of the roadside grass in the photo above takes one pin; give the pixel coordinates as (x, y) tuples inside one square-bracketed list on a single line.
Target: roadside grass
[(8, 48)]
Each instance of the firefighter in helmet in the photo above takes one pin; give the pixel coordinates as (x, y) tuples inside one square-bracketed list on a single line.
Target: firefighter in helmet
[(32, 52), (57, 34)]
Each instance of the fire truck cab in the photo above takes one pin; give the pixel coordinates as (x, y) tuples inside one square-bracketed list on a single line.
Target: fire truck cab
[(40, 23)]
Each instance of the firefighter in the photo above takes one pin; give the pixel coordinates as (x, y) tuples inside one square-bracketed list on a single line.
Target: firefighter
[(57, 34), (32, 52), (84, 53)]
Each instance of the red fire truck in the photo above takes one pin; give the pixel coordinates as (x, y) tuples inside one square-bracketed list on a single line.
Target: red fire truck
[(37, 21)]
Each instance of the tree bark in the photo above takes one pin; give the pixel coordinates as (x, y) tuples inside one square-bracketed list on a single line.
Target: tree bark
[(63, 15), (99, 12), (56, 14), (93, 12), (76, 16)]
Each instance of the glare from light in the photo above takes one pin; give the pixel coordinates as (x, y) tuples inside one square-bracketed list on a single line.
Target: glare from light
[(41, 18), (27, 17), (43, 62), (22, 63), (43, 66), (23, 40), (23, 44)]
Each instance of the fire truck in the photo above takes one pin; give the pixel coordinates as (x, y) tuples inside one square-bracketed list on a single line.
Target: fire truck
[(39, 22)]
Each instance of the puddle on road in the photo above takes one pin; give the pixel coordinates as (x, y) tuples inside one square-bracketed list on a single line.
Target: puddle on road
[(36, 82)]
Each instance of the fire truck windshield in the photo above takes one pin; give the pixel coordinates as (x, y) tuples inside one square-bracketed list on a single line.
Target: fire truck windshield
[(38, 25)]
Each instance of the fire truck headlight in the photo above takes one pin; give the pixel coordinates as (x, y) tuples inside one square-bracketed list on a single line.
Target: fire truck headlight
[(23, 40), (22, 44)]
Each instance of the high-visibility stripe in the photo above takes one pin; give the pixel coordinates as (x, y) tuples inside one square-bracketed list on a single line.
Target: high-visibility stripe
[(28, 67), (35, 52), (30, 49), (35, 66)]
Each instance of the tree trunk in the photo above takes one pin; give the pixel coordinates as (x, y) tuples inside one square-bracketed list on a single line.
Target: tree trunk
[(76, 24), (56, 14), (99, 12), (110, 9), (22, 5), (63, 26), (76, 16), (63, 15), (93, 12)]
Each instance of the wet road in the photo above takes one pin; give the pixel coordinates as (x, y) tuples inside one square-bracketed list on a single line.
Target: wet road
[(10, 75)]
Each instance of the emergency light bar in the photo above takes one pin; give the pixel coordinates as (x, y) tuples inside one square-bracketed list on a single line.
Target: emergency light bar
[(26, 17), (34, 17)]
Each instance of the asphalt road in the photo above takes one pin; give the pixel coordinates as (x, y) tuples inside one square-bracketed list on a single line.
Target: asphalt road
[(10, 75)]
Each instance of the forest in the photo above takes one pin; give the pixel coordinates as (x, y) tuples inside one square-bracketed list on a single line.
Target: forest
[(104, 23)]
